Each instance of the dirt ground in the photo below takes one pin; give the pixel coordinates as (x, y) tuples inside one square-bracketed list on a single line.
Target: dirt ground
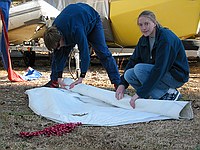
[(16, 116)]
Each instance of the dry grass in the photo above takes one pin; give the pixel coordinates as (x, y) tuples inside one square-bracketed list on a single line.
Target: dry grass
[(16, 116)]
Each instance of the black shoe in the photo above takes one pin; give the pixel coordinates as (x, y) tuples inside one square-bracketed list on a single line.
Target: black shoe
[(171, 96), (52, 84)]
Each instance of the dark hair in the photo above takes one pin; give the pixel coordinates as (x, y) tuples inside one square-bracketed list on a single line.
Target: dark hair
[(51, 37), (150, 15)]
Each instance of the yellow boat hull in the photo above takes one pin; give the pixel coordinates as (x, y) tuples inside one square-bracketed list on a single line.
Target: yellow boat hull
[(181, 16)]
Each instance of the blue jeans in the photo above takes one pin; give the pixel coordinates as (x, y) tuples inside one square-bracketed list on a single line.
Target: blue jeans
[(97, 40), (139, 74)]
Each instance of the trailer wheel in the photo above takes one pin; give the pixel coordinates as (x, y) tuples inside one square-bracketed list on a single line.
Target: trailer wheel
[(29, 58)]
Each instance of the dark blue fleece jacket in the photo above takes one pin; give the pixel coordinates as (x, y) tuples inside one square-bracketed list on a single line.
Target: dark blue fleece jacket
[(75, 22), (168, 55)]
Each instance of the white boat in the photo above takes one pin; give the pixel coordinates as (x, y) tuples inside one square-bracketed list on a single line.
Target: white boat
[(28, 20)]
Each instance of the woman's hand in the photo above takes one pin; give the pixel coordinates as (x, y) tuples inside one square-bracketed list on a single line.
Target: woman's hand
[(61, 83), (76, 82), (120, 92), (133, 99)]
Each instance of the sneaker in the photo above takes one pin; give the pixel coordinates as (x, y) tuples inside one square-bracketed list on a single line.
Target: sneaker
[(171, 96), (52, 84)]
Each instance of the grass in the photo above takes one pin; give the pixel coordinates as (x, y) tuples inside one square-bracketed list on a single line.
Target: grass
[(16, 116)]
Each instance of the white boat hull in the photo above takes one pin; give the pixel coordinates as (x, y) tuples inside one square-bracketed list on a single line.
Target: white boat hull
[(26, 20)]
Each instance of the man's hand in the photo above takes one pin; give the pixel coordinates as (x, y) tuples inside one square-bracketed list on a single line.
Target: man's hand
[(76, 82), (120, 92), (61, 83), (133, 99)]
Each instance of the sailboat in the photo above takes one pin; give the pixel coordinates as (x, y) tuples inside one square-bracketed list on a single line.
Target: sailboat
[(28, 20)]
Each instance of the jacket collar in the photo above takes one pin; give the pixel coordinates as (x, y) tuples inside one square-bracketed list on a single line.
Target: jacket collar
[(145, 41)]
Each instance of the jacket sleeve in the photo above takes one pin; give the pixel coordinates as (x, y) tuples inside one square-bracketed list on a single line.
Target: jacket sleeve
[(134, 59), (59, 60)]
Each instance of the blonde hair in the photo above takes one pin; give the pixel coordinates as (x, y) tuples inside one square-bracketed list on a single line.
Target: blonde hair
[(150, 15), (51, 37)]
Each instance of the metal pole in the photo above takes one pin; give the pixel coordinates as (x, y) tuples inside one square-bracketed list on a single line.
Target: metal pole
[(77, 61)]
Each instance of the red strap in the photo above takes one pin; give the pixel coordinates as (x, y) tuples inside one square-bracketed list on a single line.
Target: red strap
[(12, 76)]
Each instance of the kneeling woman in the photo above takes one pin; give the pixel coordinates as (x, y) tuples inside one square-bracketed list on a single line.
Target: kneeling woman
[(158, 66)]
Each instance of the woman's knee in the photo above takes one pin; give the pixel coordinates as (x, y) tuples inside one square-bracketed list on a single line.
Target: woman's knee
[(142, 69), (129, 74)]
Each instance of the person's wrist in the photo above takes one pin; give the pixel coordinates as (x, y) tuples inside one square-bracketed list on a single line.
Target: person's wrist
[(136, 96)]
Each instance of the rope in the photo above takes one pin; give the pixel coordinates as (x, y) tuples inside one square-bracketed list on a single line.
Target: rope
[(55, 130)]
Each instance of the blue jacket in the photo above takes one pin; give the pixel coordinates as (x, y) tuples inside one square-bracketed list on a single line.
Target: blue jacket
[(75, 22), (168, 55), (6, 0)]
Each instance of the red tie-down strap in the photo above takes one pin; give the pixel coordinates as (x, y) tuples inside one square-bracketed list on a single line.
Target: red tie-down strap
[(12, 76), (55, 130)]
